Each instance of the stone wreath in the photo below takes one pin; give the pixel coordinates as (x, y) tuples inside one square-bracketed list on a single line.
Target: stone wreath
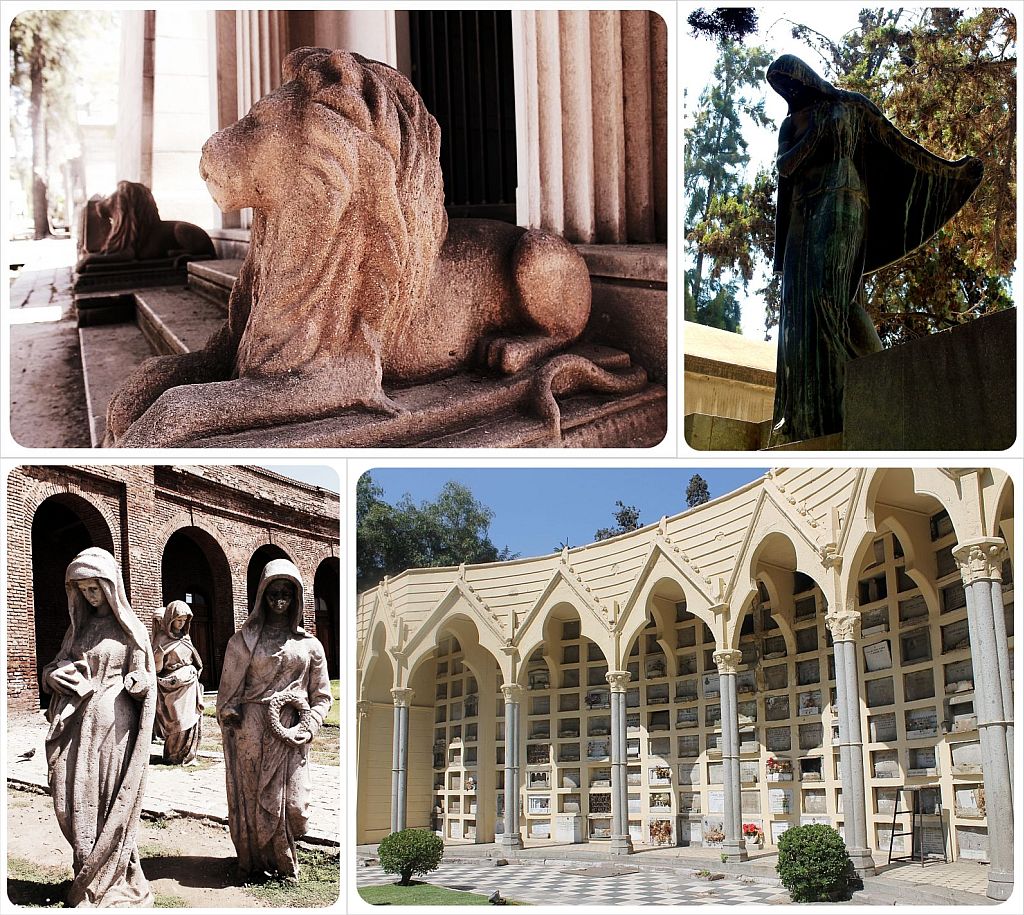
[(297, 701)]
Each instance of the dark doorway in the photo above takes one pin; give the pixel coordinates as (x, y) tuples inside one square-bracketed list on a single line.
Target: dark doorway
[(194, 569), (462, 66), (260, 558), (327, 599), (62, 527)]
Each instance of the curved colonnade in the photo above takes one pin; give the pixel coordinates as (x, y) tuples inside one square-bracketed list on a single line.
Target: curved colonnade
[(799, 650)]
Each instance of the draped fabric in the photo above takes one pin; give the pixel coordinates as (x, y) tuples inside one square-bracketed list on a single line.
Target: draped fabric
[(97, 748), (268, 780), (179, 710), (855, 195)]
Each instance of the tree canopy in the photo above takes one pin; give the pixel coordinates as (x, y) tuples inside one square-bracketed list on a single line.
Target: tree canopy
[(697, 492), (43, 55), (946, 78), (448, 531), (627, 518)]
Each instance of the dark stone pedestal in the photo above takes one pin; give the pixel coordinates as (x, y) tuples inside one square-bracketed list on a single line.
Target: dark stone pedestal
[(952, 391)]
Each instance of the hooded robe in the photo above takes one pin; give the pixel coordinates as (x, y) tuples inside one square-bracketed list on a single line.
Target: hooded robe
[(97, 748), (179, 709), (268, 780), (855, 195)]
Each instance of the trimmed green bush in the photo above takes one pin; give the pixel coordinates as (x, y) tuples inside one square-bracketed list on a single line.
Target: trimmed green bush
[(813, 863), (411, 851)]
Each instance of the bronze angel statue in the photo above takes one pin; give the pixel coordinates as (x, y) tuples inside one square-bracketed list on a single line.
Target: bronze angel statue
[(855, 195)]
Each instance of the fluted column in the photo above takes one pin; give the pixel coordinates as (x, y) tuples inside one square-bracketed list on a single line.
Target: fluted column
[(981, 564), (592, 86), (620, 842), (733, 846), (845, 628), (511, 838), (400, 757)]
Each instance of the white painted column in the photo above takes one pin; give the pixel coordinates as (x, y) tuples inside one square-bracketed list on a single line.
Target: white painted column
[(590, 88), (734, 845), (844, 628), (980, 568), (400, 758), (511, 838), (621, 844)]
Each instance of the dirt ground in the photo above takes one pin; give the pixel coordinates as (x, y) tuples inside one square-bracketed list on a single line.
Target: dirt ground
[(189, 863)]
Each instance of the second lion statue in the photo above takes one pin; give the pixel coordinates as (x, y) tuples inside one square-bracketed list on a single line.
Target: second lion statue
[(353, 273)]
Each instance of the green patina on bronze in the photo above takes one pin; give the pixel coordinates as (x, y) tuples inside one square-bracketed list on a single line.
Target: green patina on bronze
[(855, 195)]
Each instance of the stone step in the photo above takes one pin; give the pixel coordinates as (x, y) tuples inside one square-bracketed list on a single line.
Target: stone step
[(176, 319), (214, 278), (110, 353)]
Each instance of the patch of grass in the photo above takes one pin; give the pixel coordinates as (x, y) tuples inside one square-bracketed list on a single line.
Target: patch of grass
[(334, 715), (319, 884), (422, 894), (37, 885), (169, 901), (152, 850)]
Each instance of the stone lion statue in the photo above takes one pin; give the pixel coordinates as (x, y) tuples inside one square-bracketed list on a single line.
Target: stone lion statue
[(354, 274), (135, 231)]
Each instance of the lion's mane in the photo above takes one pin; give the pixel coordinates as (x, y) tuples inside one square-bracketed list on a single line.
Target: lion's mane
[(133, 217), (368, 172)]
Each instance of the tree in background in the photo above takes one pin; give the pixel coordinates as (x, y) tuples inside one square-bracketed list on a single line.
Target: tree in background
[(731, 23), (446, 532), (948, 80), (697, 491), (43, 57), (715, 158), (627, 519)]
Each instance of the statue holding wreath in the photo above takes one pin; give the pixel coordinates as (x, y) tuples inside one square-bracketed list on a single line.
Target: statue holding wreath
[(271, 701)]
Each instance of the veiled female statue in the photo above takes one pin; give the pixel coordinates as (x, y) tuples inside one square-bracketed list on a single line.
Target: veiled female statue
[(855, 195), (179, 708), (271, 701), (101, 717)]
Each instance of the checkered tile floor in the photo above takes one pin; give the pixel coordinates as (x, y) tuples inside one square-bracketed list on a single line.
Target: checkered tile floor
[(550, 885)]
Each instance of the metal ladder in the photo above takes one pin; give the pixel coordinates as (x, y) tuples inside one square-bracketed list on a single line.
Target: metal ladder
[(917, 821)]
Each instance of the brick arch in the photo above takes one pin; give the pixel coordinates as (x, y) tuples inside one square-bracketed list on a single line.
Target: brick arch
[(194, 568), (327, 601), (254, 569), (63, 524)]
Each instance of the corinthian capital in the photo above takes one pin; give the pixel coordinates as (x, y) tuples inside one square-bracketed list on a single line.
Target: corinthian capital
[(727, 661), (844, 626), (402, 697), (512, 693), (980, 560), (618, 680)]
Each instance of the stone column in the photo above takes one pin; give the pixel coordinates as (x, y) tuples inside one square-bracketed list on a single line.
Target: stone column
[(511, 838), (733, 846), (620, 843), (844, 628), (981, 570), (400, 757)]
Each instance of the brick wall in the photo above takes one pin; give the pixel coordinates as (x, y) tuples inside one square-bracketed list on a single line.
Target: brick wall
[(229, 512)]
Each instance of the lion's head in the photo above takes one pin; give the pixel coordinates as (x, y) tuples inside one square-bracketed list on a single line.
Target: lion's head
[(133, 216), (342, 162)]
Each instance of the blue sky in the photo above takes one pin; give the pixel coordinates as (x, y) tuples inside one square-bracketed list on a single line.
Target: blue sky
[(535, 509)]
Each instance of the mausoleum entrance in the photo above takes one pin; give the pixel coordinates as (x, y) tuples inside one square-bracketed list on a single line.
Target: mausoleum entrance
[(195, 570)]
